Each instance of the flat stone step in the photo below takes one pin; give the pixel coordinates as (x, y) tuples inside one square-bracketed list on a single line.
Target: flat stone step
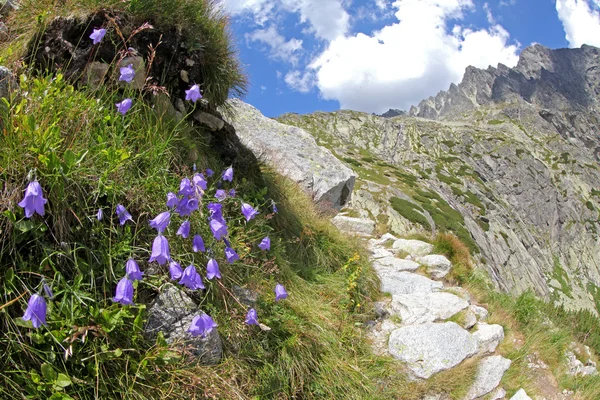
[(407, 283), (489, 373), (419, 308)]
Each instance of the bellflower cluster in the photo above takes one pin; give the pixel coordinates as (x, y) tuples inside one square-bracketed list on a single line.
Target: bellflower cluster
[(34, 200), (202, 325)]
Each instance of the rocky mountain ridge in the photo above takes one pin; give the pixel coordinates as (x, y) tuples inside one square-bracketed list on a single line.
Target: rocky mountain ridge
[(507, 159)]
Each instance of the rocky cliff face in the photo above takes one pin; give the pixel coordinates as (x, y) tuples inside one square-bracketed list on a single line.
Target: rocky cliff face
[(507, 159)]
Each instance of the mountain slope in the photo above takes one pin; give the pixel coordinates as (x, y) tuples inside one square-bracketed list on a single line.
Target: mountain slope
[(510, 165)]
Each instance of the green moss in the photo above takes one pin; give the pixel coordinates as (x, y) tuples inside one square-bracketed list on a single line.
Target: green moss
[(589, 205), (495, 122), (449, 180), (562, 277), (352, 162)]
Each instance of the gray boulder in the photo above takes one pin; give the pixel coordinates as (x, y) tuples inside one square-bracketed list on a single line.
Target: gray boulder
[(430, 348), (488, 336), (416, 248), (7, 81), (418, 308), (172, 313), (437, 265), (489, 373), (355, 226), (406, 283), (294, 153), (392, 264)]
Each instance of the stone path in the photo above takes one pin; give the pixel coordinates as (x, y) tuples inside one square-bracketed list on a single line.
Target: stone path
[(431, 327)]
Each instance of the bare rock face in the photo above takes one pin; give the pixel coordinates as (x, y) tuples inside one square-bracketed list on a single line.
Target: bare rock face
[(294, 153), (172, 313)]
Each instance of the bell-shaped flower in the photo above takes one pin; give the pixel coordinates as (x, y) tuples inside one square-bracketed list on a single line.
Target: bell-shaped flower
[(184, 229), (202, 325), (209, 172), (48, 291), (36, 311), (124, 106), (280, 292), (124, 293), (182, 208), (160, 250), (97, 35), (133, 270), (231, 255), (209, 323), (232, 193), (198, 284), (199, 181), (123, 214), (252, 317), (99, 214), (212, 269), (172, 200), (188, 277), (218, 228), (228, 174), (193, 94), (220, 194), (186, 188), (175, 270), (34, 200), (161, 221), (275, 208), (249, 211), (192, 204), (127, 73), (265, 244), (198, 244), (215, 210)]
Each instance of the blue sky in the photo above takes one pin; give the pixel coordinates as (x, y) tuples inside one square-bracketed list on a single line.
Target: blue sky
[(371, 55)]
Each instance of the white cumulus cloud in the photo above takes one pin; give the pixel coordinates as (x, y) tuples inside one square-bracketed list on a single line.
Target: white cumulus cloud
[(581, 21), (407, 61), (279, 47)]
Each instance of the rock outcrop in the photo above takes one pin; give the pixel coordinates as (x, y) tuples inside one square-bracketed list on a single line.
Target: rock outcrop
[(294, 153)]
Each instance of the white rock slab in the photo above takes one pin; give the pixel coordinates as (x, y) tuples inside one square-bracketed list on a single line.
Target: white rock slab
[(392, 264), (415, 248), (407, 283), (380, 252), (488, 336), (479, 311), (419, 308), (489, 373), (438, 266), (355, 226), (498, 394), (520, 395), (429, 348)]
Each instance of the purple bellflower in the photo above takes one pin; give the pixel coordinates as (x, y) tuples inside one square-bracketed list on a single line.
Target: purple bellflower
[(212, 269), (275, 208), (249, 211), (99, 214), (209, 172), (175, 270), (36, 311), (202, 325), (172, 200), (220, 194), (160, 250), (185, 187), (215, 211), (191, 278), (232, 193), (198, 244), (231, 255), (252, 317), (161, 221), (133, 270), (123, 214), (184, 229), (280, 292), (198, 282), (199, 181), (97, 35), (218, 228), (124, 293), (48, 291), (124, 106), (265, 244), (34, 200), (193, 94), (228, 174), (127, 73)]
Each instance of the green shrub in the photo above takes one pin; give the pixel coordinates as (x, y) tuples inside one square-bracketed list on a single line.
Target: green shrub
[(410, 211)]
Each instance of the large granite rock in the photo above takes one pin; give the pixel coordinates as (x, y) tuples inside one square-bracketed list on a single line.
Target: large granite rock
[(294, 153), (172, 313), (429, 348), (488, 336), (354, 226), (389, 265), (438, 266), (489, 373), (407, 283), (418, 308), (416, 248)]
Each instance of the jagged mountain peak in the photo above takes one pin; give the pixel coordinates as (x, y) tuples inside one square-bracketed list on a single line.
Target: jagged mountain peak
[(561, 79)]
